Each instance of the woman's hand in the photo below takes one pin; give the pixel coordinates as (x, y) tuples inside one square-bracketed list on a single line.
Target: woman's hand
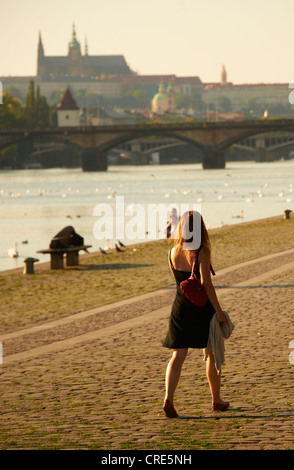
[(221, 318)]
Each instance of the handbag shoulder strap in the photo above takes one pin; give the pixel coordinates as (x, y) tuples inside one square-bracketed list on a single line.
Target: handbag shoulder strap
[(196, 259)]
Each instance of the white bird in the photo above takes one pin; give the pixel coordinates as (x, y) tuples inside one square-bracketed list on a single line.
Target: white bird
[(250, 199), (107, 246), (221, 196), (12, 252), (239, 216)]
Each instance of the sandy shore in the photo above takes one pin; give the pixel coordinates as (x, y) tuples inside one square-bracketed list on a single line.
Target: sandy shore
[(96, 380)]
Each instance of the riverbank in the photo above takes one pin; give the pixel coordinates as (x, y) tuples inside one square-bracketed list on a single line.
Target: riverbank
[(103, 279), (95, 380)]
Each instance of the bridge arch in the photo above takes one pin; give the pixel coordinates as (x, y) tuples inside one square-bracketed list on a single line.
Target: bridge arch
[(101, 151), (122, 139), (244, 135), (48, 144)]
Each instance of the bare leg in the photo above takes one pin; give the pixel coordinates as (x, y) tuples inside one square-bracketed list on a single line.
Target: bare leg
[(214, 380), (173, 372)]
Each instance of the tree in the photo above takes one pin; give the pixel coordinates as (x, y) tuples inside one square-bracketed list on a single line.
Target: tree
[(224, 104), (141, 98), (42, 109), (36, 108), (30, 105), (183, 100), (11, 112)]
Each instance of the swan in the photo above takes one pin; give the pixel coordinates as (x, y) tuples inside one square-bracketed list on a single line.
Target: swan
[(12, 252), (107, 245), (239, 216), (250, 199)]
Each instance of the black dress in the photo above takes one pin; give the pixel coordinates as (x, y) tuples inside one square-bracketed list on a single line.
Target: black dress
[(188, 324)]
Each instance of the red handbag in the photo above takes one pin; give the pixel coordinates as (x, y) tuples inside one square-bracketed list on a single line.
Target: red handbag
[(193, 289)]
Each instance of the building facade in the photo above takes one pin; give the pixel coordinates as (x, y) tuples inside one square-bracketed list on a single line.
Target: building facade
[(68, 113), (78, 65)]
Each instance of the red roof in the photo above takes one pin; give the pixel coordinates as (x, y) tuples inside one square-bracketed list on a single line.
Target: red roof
[(143, 79), (67, 102)]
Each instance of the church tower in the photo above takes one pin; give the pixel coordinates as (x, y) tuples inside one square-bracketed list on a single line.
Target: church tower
[(41, 55), (75, 62), (224, 76)]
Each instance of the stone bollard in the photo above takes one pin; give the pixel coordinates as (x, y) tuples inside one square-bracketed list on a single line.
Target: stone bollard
[(287, 213), (29, 265)]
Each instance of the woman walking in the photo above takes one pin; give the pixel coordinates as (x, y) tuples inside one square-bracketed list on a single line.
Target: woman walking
[(189, 324)]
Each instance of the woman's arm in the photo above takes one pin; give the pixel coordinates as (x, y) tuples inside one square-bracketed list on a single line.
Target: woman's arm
[(204, 268)]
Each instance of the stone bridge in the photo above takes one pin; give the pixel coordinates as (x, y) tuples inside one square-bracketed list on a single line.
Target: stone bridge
[(212, 137)]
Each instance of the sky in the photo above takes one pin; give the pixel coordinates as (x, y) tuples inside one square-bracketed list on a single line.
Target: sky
[(252, 38)]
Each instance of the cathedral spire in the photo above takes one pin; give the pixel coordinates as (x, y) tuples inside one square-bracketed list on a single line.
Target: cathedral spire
[(40, 47), (74, 43), (41, 55)]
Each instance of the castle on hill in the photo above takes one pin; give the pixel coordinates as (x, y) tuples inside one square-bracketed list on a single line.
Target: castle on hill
[(110, 76), (77, 66)]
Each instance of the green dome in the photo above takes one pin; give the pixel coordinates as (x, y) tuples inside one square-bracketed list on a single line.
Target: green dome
[(160, 97)]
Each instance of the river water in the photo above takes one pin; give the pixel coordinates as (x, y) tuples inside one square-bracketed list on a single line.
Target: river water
[(36, 204)]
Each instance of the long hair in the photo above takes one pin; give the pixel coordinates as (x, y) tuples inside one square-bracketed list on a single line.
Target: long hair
[(191, 232)]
